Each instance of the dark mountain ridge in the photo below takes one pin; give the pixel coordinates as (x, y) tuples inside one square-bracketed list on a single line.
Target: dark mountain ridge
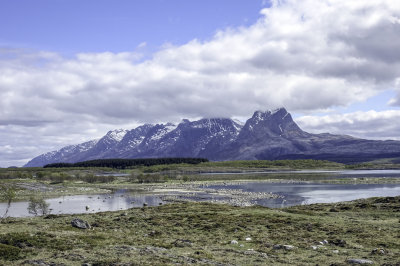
[(268, 135)]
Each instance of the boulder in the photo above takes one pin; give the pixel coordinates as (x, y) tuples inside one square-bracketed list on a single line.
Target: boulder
[(78, 223), (338, 242), (286, 247), (359, 261), (378, 251)]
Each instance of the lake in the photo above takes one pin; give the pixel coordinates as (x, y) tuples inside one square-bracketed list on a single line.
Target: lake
[(292, 193)]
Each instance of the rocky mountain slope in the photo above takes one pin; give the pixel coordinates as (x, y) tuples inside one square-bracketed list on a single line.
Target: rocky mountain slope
[(266, 135)]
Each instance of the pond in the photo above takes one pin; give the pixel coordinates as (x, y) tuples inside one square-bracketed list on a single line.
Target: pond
[(327, 174), (285, 194), (309, 193), (119, 200)]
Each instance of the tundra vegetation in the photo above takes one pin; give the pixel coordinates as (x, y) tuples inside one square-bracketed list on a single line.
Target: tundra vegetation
[(184, 233), (216, 234)]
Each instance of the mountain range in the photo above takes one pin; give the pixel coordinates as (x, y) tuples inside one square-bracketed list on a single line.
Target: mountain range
[(267, 135)]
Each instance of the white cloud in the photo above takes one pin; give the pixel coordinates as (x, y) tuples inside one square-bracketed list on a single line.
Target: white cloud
[(305, 55), (370, 124), (142, 45)]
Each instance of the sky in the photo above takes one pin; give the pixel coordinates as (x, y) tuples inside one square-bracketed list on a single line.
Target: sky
[(71, 70)]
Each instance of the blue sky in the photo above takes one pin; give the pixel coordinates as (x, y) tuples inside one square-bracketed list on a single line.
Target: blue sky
[(71, 27), (71, 70)]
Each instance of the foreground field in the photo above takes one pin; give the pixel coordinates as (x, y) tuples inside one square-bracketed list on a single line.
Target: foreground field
[(212, 234)]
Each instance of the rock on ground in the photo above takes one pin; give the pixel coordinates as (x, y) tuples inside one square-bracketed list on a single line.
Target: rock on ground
[(78, 223), (286, 247), (359, 261)]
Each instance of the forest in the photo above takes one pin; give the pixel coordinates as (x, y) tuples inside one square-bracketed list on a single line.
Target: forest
[(126, 163)]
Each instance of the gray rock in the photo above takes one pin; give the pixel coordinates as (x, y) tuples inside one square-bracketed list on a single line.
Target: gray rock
[(359, 261), (286, 247), (324, 242), (338, 242), (318, 247), (378, 251), (234, 242), (181, 243), (255, 253), (78, 223), (36, 262)]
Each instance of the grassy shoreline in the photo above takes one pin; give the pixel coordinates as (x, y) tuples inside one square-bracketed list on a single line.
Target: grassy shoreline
[(27, 187), (199, 233), (212, 234)]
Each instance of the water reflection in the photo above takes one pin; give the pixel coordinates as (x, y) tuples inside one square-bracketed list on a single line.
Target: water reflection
[(293, 193), (120, 200), (317, 173), (306, 193)]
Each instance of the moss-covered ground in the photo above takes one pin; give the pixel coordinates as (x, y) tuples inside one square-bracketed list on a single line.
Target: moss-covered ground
[(210, 234)]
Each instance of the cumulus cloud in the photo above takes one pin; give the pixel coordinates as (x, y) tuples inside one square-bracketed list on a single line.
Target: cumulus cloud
[(304, 55), (370, 124)]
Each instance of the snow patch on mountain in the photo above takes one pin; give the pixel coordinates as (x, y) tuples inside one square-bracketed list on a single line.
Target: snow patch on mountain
[(117, 134), (163, 131), (266, 135)]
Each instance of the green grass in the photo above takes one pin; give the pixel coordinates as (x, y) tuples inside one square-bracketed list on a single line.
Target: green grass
[(202, 233), (247, 165)]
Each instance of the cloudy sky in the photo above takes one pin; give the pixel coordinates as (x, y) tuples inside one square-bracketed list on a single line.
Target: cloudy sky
[(70, 70)]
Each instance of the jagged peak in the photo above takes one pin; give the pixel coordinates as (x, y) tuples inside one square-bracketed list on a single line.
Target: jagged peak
[(280, 110), (141, 128), (170, 125), (210, 122), (277, 110), (147, 125), (279, 113), (117, 134)]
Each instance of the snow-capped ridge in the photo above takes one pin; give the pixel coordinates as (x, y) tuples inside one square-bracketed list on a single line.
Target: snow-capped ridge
[(268, 135), (117, 134)]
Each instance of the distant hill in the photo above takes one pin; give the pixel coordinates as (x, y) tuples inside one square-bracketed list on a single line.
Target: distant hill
[(268, 135)]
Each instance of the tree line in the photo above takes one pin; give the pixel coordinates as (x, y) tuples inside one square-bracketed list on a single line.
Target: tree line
[(126, 163)]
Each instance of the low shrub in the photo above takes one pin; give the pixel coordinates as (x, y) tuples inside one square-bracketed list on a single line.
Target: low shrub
[(8, 252)]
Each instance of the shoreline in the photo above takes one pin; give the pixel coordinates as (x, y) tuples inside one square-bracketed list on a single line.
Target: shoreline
[(212, 234)]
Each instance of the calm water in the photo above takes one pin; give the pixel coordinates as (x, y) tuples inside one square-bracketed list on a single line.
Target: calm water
[(293, 194), (324, 173), (120, 200), (306, 193)]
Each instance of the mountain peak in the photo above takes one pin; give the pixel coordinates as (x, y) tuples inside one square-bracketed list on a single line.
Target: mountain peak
[(279, 116), (279, 111), (270, 134), (117, 134), (272, 123)]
